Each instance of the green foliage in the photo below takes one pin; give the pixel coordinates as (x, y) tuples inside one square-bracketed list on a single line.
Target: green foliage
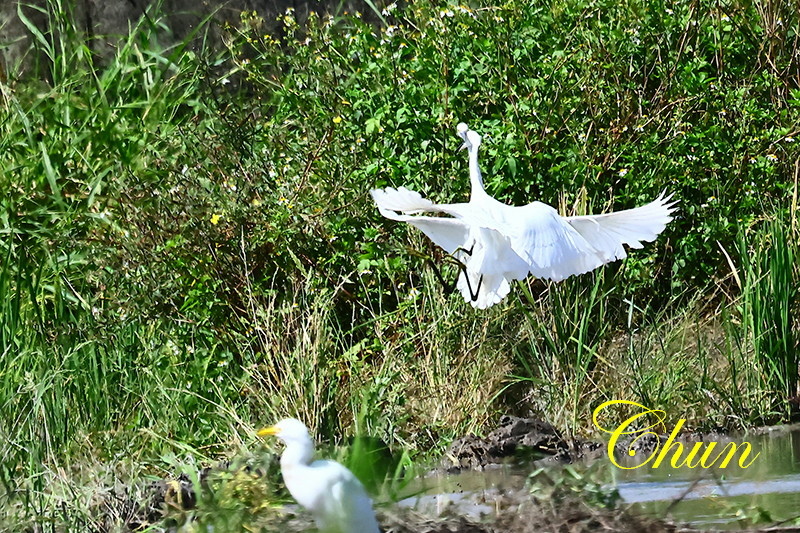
[(769, 303), (624, 102), (237, 498), (189, 249)]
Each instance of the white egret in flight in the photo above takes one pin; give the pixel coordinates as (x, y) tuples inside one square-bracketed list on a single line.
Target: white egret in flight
[(496, 243), (331, 492)]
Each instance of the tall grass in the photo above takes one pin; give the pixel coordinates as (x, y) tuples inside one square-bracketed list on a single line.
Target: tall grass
[(732, 359), (564, 331), (81, 379), (188, 248), (770, 276), (384, 376)]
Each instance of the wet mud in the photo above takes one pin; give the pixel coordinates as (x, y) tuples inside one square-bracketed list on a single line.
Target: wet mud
[(512, 511), (531, 440)]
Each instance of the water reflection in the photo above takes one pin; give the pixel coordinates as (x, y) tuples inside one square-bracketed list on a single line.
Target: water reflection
[(770, 486), (719, 498)]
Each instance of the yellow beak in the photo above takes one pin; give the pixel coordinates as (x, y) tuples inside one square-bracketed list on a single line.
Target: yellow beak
[(272, 430)]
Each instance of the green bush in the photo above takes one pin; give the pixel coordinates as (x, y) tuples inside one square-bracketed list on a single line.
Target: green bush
[(189, 248)]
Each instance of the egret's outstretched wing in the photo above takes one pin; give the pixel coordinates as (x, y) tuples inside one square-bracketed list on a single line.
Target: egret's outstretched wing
[(402, 200), (408, 202), (608, 232), (447, 233)]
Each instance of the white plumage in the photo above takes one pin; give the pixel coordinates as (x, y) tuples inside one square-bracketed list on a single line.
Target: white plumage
[(497, 243), (331, 492)]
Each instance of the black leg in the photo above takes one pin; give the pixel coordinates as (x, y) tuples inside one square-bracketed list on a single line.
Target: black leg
[(447, 287), (450, 287), (461, 249), (473, 295), (463, 268)]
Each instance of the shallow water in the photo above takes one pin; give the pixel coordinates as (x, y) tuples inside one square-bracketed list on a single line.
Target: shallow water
[(470, 493), (713, 497), (716, 497)]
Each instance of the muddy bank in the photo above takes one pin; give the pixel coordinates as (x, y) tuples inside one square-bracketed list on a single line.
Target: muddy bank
[(515, 438), (171, 505), (512, 512), (531, 440)]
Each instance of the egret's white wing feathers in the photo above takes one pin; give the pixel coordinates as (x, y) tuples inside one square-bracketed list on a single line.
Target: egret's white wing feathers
[(608, 232), (551, 247), (448, 233), (401, 199)]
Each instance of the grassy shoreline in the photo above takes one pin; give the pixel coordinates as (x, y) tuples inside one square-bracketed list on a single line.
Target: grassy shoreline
[(189, 250)]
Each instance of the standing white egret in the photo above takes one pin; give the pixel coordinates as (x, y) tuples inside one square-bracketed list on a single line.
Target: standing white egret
[(497, 243), (331, 492)]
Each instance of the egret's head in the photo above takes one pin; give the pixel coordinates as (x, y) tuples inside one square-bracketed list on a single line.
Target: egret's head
[(288, 430), (471, 138)]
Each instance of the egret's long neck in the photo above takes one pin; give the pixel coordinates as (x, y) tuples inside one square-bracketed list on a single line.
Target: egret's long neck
[(297, 454), (475, 178)]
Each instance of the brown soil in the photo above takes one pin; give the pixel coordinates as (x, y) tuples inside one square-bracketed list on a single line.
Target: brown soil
[(515, 437), (530, 439)]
